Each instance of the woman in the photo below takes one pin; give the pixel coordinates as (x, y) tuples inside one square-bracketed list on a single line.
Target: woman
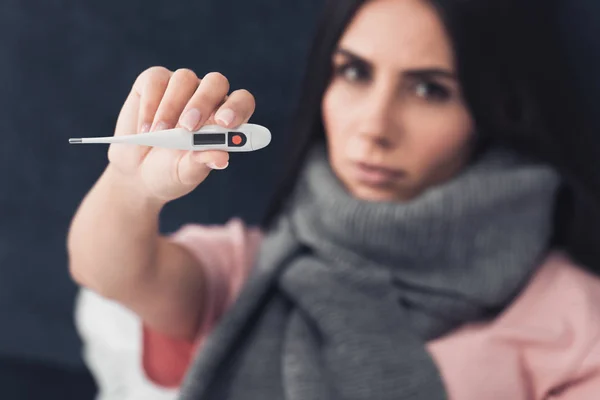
[(418, 247)]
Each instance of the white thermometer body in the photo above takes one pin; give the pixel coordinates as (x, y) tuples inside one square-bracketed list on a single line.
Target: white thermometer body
[(244, 138)]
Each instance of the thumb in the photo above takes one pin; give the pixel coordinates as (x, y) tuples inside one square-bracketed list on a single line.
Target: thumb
[(195, 166)]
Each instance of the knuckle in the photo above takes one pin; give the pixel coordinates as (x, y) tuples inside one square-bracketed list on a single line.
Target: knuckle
[(168, 109), (157, 72), (147, 110), (152, 76), (245, 100), (186, 75), (247, 96), (218, 78), (204, 98)]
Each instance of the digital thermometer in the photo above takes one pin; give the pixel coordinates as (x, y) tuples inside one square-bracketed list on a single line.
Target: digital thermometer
[(246, 137)]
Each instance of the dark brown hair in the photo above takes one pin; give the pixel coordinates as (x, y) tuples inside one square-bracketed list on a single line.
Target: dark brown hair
[(517, 88)]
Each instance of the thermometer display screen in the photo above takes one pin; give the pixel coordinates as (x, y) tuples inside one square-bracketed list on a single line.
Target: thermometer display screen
[(209, 138)]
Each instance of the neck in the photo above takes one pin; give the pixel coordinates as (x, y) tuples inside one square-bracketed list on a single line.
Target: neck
[(491, 223)]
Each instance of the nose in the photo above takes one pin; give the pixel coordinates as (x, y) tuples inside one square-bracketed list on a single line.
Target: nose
[(377, 124)]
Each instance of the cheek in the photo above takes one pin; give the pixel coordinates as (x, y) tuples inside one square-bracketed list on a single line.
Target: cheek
[(441, 142), (338, 117)]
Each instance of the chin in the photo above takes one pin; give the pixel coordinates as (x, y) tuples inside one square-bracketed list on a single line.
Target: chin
[(376, 195)]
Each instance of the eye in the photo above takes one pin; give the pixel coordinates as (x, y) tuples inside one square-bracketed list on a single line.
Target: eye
[(353, 72), (431, 91)]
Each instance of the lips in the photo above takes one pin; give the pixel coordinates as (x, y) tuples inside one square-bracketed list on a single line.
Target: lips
[(375, 175)]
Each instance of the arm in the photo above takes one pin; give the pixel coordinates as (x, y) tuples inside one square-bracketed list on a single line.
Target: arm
[(233, 251), (114, 245), (115, 250)]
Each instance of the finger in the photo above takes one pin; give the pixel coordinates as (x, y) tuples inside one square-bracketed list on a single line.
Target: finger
[(150, 86), (196, 165), (182, 85), (128, 157), (211, 119), (207, 98), (127, 124), (215, 159), (237, 110), (128, 116)]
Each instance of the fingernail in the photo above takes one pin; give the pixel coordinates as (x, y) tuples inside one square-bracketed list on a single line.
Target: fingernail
[(145, 128), (225, 116), (212, 165), (190, 119), (161, 126)]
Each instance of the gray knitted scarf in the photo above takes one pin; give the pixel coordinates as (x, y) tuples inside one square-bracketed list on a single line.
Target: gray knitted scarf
[(346, 293)]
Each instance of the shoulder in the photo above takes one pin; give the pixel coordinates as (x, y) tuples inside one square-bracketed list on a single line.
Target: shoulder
[(226, 251), (554, 326), (562, 294), (545, 340), (235, 241), (234, 231)]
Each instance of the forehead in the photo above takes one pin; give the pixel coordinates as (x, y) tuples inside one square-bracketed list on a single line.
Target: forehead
[(399, 33)]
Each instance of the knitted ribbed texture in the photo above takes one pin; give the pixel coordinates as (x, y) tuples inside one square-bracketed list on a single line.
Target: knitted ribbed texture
[(346, 293)]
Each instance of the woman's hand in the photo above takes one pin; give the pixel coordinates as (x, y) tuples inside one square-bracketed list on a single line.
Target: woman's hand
[(163, 99)]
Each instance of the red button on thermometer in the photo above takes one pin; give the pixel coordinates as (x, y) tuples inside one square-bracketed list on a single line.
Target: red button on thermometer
[(246, 137)]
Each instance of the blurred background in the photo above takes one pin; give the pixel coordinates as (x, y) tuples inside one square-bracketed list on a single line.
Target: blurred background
[(65, 70)]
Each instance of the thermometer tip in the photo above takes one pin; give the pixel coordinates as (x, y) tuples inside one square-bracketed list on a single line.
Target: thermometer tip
[(75, 140)]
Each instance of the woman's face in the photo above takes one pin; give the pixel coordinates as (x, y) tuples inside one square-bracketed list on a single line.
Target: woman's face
[(393, 113)]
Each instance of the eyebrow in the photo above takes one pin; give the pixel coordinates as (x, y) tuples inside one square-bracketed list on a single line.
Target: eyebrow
[(411, 73)]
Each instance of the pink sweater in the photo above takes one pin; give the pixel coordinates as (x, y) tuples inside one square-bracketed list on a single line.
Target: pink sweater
[(545, 345)]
